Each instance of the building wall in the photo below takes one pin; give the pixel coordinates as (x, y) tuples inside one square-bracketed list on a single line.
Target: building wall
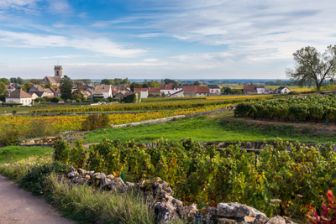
[(143, 94), (215, 92), (23, 101)]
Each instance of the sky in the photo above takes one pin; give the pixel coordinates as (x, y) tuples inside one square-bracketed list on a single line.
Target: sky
[(154, 39)]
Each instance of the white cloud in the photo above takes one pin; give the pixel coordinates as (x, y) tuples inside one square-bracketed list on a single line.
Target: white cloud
[(98, 45), (242, 25), (59, 6), (21, 5)]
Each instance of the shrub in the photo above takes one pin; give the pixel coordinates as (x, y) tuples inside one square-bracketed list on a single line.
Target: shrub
[(61, 152), (95, 121), (9, 135), (327, 213)]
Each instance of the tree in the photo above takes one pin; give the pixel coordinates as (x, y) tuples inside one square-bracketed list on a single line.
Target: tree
[(312, 66), (3, 91), (66, 88)]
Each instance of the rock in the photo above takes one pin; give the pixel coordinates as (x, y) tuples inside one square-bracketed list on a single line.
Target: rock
[(277, 220), (226, 221), (187, 212), (110, 176), (164, 212), (240, 212), (72, 174), (116, 185), (210, 215), (82, 171), (99, 175)]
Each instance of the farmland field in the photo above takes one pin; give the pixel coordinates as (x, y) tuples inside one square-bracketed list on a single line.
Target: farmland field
[(49, 120), (11, 154), (208, 129)]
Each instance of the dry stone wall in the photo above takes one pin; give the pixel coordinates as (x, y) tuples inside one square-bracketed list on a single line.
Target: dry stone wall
[(160, 198)]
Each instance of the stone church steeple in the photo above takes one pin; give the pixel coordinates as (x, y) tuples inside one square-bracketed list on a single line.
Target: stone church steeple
[(58, 71)]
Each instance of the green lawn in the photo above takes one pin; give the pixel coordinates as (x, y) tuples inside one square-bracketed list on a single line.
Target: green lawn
[(207, 129), (15, 153)]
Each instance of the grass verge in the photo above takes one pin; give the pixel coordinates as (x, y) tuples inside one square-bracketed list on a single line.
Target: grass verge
[(32, 169), (209, 129)]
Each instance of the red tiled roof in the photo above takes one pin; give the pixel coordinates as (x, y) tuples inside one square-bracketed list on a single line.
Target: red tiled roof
[(138, 90), (18, 94), (154, 90), (195, 89), (100, 89)]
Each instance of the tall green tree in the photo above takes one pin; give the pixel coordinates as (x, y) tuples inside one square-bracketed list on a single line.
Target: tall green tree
[(66, 88), (313, 66)]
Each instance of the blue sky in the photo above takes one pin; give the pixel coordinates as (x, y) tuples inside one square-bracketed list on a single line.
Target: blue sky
[(183, 39)]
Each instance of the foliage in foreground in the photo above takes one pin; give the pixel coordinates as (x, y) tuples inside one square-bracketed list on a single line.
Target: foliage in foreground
[(327, 213), (314, 108), (282, 179)]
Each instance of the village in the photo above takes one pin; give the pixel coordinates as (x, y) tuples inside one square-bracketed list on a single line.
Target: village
[(49, 90)]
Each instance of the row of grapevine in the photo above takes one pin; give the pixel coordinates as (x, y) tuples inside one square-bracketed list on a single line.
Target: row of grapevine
[(60, 123), (163, 105), (315, 108), (276, 180)]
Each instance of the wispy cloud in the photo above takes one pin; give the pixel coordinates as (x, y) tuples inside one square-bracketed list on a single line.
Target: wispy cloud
[(98, 45), (59, 6), (21, 5)]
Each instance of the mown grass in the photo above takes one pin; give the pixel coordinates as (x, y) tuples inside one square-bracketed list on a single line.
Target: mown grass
[(11, 154), (209, 129)]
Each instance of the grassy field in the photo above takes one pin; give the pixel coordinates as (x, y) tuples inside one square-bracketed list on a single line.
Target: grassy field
[(15, 153), (208, 129)]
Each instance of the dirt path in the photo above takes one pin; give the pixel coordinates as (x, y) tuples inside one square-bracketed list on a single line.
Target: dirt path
[(20, 207)]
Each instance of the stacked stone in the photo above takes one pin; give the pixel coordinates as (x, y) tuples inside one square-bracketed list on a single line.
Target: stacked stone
[(167, 208)]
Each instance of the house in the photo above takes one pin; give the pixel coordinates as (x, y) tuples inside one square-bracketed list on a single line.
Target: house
[(102, 91), (254, 89), (214, 90), (123, 89), (282, 90), (179, 93), (86, 93), (11, 87), (41, 92), (154, 92), (143, 92), (194, 91), (250, 89), (56, 79), (19, 97), (169, 90)]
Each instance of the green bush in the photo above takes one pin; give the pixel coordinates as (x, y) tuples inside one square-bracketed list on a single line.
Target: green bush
[(9, 135), (95, 121)]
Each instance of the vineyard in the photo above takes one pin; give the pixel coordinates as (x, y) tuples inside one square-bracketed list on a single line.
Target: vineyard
[(282, 178), (60, 123), (149, 105), (314, 108)]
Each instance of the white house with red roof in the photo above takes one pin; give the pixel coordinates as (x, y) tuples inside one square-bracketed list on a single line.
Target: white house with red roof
[(143, 92), (19, 97)]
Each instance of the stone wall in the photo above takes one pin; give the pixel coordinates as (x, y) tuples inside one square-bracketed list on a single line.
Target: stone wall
[(159, 195)]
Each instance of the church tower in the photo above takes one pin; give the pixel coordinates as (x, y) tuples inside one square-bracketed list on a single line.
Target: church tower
[(58, 71)]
